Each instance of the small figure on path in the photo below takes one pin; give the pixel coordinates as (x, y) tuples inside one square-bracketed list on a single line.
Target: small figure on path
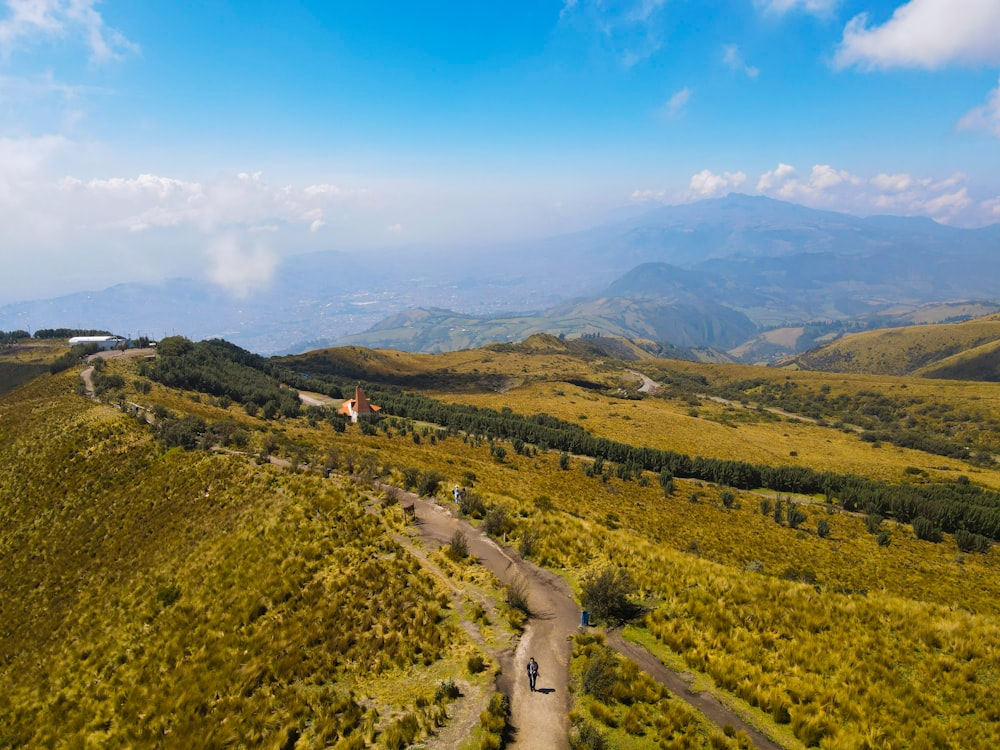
[(455, 493), (532, 672)]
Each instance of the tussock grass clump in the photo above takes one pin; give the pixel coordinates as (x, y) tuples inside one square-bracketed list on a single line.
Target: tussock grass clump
[(493, 722), (628, 704)]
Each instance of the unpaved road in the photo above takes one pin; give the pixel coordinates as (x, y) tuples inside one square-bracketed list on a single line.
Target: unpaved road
[(648, 384), (540, 719)]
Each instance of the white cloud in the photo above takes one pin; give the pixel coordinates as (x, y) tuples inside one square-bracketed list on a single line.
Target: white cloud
[(642, 196), (925, 34), (892, 182), (631, 31), (675, 105), (945, 200), (947, 205), (244, 201), (706, 184), (776, 176), (992, 207), (237, 268), (82, 231), (733, 59), (30, 21), (818, 7), (819, 188), (985, 117), (396, 228), (824, 177)]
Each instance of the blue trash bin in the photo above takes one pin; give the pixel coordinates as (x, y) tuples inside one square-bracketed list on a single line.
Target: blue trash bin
[(585, 618)]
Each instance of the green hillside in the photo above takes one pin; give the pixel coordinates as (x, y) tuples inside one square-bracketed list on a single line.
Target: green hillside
[(183, 584), (171, 598), (917, 350)]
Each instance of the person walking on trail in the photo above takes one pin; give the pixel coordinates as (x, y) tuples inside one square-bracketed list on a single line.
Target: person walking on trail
[(455, 493), (532, 672)]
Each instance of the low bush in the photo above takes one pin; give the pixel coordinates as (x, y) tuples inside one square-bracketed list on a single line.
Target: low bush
[(459, 545), (926, 529), (475, 664), (968, 541), (606, 594)]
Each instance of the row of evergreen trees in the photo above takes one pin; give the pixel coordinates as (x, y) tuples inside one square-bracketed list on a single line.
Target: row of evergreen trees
[(223, 369), (949, 507), (12, 337)]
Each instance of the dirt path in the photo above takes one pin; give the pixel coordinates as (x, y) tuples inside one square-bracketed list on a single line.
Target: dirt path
[(87, 376), (707, 703), (539, 720), (648, 384), (317, 399)]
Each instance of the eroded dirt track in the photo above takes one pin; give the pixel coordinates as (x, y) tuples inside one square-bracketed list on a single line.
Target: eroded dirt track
[(540, 719)]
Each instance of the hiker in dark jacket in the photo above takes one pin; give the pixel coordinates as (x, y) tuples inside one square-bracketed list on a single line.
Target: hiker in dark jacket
[(532, 672)]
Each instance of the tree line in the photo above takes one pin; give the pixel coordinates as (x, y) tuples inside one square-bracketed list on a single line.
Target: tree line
[(947, 506), (224, 369)]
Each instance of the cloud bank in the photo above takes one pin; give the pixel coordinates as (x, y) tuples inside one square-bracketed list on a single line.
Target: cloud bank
[(30, 22), (947, 200), (925, 34)]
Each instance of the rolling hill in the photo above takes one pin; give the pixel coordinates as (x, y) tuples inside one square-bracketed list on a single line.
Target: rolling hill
[(959, 351), (231, 573)]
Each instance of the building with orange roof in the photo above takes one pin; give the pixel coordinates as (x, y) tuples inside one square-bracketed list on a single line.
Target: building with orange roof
[(359, 407)]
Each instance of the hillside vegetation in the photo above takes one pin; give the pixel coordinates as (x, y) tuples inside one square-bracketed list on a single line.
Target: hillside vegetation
[(959, 351), (171, 598), (836, 587)]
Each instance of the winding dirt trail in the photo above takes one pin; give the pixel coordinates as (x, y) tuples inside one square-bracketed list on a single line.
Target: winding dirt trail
[(540, 720)]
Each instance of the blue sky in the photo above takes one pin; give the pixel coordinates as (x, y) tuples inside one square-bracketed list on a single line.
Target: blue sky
[(141, 140)]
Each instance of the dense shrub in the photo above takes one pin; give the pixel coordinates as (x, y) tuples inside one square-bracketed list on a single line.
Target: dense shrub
[(458, 549), (606, 595), (497, 522), (925, 529), (429, 483), (600, 674), (475, 664), (794, 516), (968, 541), (586, 737), (472, 505), (494, 722), (516, 595)]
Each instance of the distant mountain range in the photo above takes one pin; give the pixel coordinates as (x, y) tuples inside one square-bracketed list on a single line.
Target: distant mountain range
[(747, 277)]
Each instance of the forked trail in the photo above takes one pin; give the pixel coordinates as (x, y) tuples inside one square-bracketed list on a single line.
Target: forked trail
[(540, 719)]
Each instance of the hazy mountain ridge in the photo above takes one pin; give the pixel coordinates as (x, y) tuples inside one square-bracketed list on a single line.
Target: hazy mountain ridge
[(716, 272), (729, 267)]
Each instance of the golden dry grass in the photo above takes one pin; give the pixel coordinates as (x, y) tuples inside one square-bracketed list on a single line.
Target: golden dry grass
[(898, 351), (885, 646)]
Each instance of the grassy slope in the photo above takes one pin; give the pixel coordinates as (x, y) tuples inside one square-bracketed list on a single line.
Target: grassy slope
[(880, 632), (901, 351), (172, 598), (826, 661)]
